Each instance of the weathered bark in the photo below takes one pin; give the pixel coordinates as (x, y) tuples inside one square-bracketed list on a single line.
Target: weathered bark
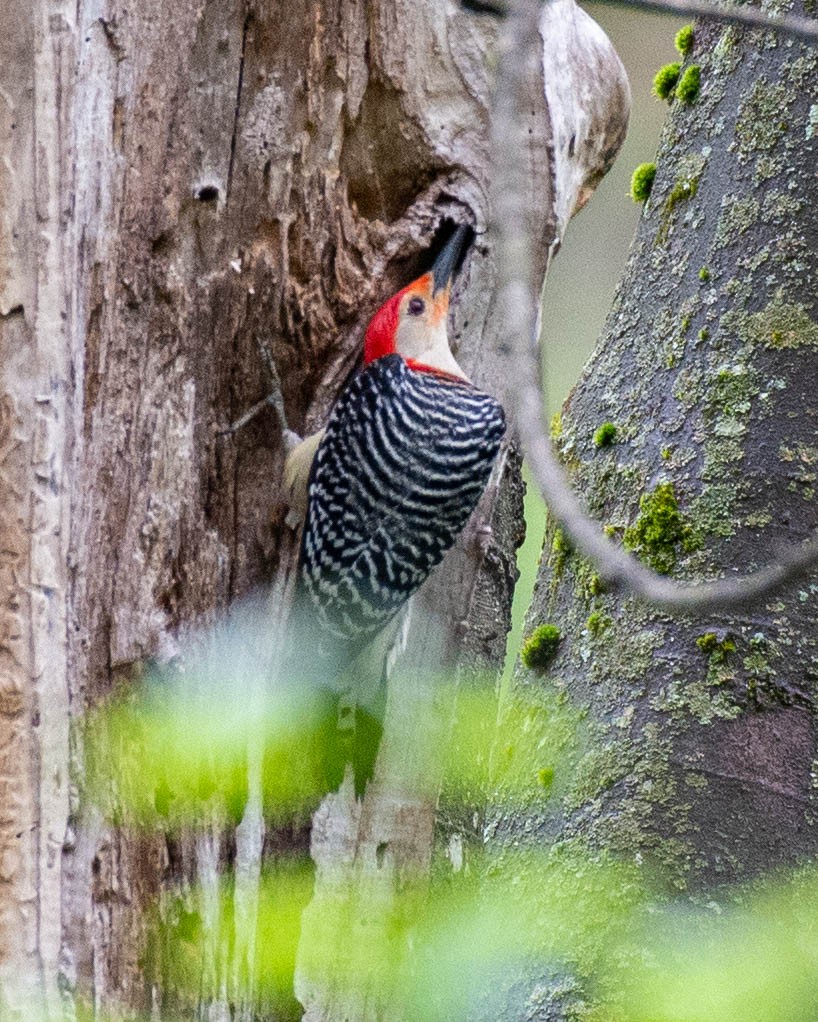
[(376, 850), (212, 175), (181, 183), (697, 764)]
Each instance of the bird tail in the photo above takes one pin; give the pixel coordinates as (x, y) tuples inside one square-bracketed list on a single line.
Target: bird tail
[(349, 680)]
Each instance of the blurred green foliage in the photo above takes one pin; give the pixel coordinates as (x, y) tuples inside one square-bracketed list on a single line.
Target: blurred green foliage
[(182, 738), (755, 960), (175, 751), (168, 752)]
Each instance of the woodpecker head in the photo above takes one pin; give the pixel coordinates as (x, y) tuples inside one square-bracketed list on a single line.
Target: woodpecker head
[(414, 322)]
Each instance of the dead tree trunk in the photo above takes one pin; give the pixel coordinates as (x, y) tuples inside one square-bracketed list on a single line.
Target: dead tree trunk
[(698, 762), (181, 182)]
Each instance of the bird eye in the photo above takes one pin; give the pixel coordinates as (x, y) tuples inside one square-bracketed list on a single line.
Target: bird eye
[(417, 306)]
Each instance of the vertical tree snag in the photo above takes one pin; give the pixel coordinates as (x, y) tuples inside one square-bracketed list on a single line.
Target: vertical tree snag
[(36, 281), (699, 762), (180, 183), (576, 106)]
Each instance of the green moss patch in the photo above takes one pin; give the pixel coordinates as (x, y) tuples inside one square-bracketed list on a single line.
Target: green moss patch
[(718, 649), (642, 181), (687, 88), (684, 40), (561, 550), (540, 648), (597, 622), (665, 79), (556, 426), (605, 435), (660, 531)]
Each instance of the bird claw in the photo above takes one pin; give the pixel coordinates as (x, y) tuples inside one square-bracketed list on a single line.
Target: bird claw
[(290, 439), (480, 538)]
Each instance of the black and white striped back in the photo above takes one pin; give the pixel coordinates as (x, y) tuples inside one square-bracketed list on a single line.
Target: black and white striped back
[(404, 460)]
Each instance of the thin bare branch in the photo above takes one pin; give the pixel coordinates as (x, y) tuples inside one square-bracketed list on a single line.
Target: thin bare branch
[(517, 295), (794, 25)]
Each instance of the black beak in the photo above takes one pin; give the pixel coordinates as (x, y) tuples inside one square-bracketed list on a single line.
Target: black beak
[(451, 258)]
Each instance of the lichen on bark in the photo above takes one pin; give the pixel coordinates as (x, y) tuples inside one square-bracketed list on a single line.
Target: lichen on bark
[(698, 763)]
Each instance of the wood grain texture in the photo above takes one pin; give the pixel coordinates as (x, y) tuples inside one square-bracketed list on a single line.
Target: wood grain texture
[(34, 412)]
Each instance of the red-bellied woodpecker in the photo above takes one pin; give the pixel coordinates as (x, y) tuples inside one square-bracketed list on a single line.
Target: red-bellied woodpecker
[(394, 476)]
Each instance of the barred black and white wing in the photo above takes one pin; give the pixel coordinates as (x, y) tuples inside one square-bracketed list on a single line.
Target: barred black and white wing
[(404, 460)]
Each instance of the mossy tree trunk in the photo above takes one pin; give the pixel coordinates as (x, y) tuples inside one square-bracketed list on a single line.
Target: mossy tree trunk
[(181, 181), (699, 752)]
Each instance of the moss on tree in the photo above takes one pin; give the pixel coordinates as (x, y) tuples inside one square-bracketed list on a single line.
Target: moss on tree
[(642, 181), (665, 79), (661, 531), (684, 40), (689, 83), (540, 648)]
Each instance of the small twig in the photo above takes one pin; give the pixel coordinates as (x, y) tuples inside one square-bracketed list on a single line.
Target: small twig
[(249, 415), (275, 399), (794, 25), (517, 296), (751, 17)]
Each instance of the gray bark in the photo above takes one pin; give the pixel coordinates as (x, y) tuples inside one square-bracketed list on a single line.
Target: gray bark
[(697, 762)]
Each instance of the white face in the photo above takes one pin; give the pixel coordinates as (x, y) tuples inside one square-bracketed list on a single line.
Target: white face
[(422, 332)]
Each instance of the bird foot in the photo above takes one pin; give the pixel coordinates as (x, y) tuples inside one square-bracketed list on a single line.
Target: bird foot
[(480, 536), (290, 439)]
